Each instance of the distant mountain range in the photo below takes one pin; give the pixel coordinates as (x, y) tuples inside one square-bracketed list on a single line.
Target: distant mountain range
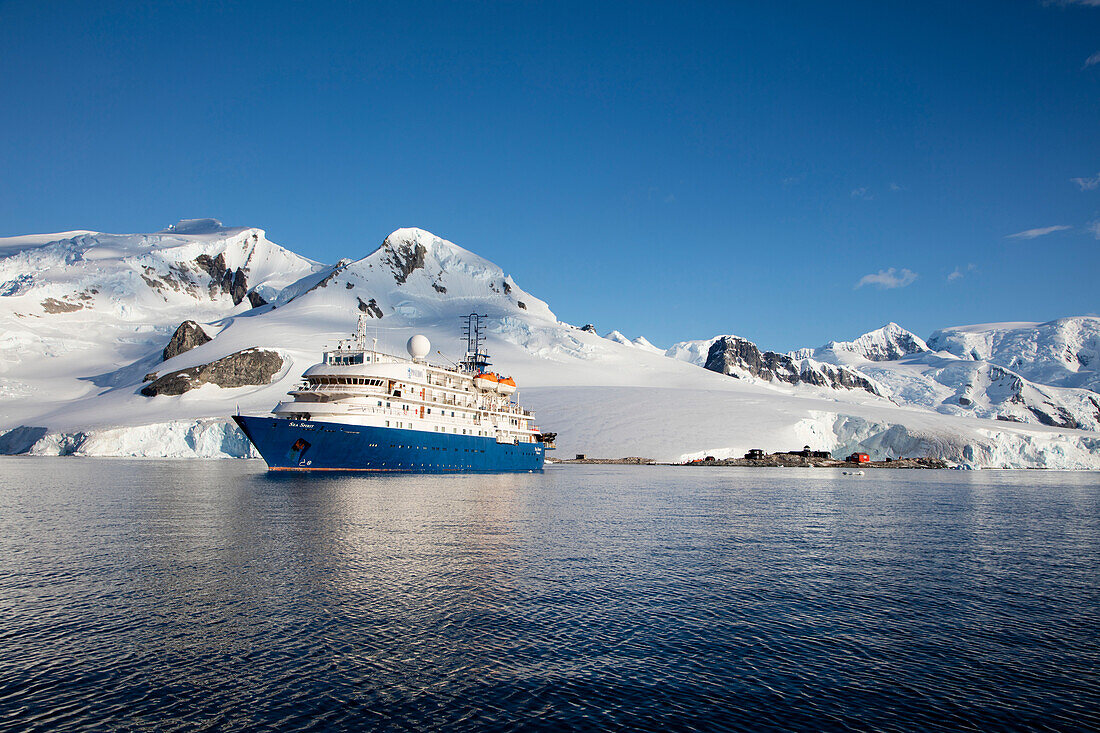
[(142, 344), (980, 371)]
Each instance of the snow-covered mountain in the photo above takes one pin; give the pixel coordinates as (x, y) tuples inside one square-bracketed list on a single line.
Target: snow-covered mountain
[(883, 344), (88, 299), (87, 318), (738, 357), (1063, 353), (897, 364), (641, 342)]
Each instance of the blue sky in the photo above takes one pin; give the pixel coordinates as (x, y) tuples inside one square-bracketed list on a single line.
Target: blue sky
[(673, 170)]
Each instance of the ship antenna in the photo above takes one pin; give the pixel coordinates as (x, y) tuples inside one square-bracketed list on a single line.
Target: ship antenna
[(361, 332), (476, 360)]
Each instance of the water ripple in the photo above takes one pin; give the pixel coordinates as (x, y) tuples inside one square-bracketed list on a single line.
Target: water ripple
[(211, 596)]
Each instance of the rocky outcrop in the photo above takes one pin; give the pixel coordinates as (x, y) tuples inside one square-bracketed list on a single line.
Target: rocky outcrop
[(255, 299), (370, 307), (404, 257), (222, 279), (737, 357), (247, 368), (188, 335), (53, 305)]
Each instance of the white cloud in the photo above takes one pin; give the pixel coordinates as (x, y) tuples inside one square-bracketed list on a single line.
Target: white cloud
[(1041, 231), (1088, 184), (960, 272), (896, 187), (886, 279), (1092, 60), (1095, 229), (862, 193)]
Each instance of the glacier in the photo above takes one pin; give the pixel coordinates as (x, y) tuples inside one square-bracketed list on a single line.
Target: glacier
[(86, 317)]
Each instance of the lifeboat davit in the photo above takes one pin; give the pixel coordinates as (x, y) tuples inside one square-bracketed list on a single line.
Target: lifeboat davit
[(507, 385), (486, 381)]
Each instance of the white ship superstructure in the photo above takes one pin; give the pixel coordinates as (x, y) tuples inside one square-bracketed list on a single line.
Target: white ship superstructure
[(357, 384)]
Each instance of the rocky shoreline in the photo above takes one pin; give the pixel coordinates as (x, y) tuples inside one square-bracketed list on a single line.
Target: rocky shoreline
[(774, 461)]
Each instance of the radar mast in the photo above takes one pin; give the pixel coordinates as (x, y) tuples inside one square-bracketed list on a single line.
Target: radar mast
[(476, 360)]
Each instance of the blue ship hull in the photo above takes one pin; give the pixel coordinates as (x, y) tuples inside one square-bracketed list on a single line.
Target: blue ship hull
[(309, 445)]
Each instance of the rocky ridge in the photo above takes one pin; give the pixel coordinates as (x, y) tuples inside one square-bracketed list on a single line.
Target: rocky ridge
[(738, 357), (247, 368)]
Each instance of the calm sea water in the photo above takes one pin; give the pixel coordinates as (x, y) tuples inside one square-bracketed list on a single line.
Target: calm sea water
[(211, 595)]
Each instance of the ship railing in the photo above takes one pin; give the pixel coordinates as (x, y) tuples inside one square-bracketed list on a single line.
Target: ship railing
[(398, 413)]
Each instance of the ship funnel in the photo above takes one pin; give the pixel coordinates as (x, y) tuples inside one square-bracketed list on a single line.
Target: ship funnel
[(419, 346)]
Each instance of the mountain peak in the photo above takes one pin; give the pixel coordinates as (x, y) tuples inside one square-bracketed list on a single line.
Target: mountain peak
[(414, 236), (883, 344)]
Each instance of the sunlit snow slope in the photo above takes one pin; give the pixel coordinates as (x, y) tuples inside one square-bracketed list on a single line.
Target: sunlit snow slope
[(86, 317)]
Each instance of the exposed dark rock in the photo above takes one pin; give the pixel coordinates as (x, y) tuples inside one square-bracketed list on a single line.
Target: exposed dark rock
[(53, 305), (521, 304), (588, 327), (238, 287), (732, 356), (729, 354), (507, 288), (439, 288), (336, 270), (188, 335), (20, 439), (178, 278), (247, 368), (404, 259), (150, 377), (256, 299), (838, 376), (222, 279), (370, 308), (214, 267), (1058, 417), (349, 286)]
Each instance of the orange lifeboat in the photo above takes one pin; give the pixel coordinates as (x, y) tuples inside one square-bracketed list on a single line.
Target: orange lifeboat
[(506, 385), (486, 381)]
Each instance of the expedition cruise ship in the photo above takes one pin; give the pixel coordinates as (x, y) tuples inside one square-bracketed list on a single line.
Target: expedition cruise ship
[(364, 410)]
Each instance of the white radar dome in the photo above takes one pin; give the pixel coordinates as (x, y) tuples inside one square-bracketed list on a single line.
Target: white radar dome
[(419, 346)]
